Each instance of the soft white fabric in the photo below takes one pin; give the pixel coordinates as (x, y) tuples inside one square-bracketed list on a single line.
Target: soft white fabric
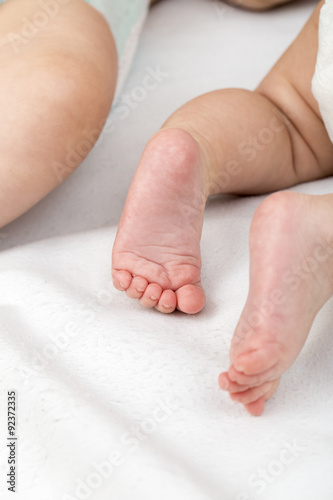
[(322, 82), (90, 366)]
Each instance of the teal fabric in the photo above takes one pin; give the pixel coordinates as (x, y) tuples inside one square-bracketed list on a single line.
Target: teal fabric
[(122, 16)]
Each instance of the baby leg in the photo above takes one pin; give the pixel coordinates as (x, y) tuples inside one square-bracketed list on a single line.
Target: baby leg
[(232, 141), (291, 265), (58, 74)]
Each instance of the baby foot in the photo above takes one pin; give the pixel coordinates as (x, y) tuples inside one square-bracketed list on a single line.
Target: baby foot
[(291, 277), (156, 255), (253, 398)]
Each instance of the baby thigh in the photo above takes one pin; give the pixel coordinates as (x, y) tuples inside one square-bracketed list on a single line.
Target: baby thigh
[(58, 74), (288, 87)]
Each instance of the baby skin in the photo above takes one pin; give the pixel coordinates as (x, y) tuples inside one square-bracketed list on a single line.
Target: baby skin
[(156, 255)]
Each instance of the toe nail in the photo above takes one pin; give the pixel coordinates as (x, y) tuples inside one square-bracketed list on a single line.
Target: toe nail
[(153, 298), (139, 290), (166, 307), (122, 285)]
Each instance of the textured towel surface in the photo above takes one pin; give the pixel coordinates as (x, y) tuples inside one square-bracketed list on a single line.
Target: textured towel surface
[(119, 402), (322, 83)]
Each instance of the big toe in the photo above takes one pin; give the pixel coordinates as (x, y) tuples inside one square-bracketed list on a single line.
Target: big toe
[(190, 299), (256, 408), (260, 359)]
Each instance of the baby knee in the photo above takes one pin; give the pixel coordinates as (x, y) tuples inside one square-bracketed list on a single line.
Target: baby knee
[(67, 94)]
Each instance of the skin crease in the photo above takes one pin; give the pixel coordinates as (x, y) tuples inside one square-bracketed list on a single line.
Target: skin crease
[(59, 56), (70, 69), (156, 255)]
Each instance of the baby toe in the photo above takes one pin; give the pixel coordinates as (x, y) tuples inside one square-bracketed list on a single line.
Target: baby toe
[(228, 385), (258, 360), (274, 385), (121, 279), (167, 302), (190, 298), (253, 380), (137, 287), (252, 394), (151, 295), (257, 407)]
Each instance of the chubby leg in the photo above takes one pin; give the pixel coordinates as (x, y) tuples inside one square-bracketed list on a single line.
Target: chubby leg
[(58, 75), (226, 141), (291, 278), (291, 236)]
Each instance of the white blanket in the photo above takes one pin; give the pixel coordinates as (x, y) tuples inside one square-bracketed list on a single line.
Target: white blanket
[(118, 402)]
